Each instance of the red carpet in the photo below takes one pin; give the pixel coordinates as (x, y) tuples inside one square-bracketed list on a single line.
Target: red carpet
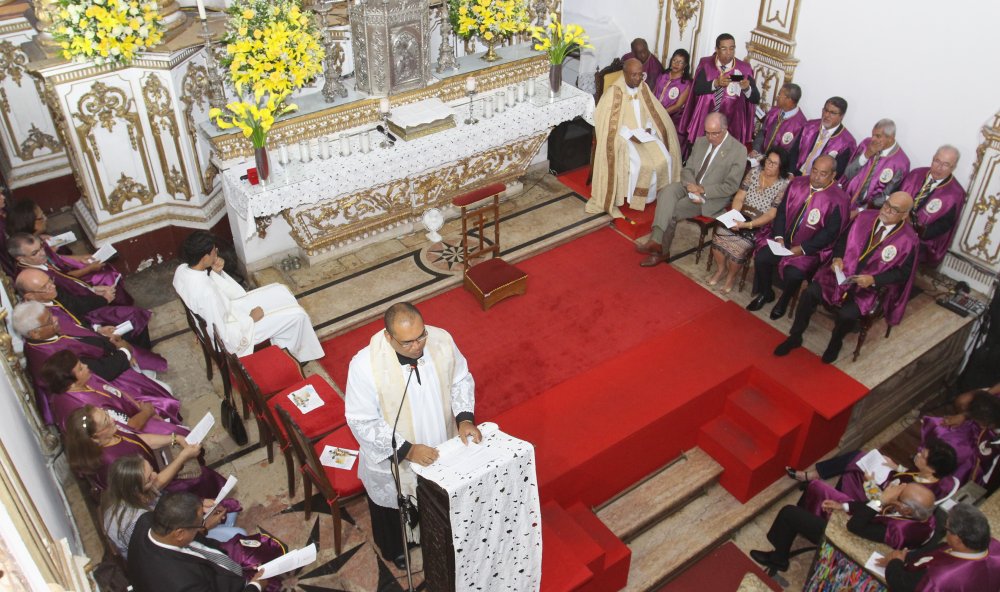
[(722, 570), (640, 221)]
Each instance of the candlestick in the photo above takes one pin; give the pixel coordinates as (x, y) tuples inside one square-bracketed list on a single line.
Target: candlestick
[(201, 9), (471, 119), (383, 105), (470, 84)]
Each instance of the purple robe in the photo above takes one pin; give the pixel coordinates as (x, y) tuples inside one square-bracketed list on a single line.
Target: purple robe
[(803, 221), (840, 142), (652, 68), (737, 108), (117, 311), (70, 325), (206, 485), (130, 381), (947, 573), (852, 482), (948, 196), (101, 393), (108, 276), (879, 171), (964, 438), (669, 90), (781, 132), (252, 551), (866, 256)]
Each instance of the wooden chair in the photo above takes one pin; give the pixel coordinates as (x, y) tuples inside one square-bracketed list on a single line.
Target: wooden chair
[(705, 225), (203, 339), (333, 484), (864, 323), (604, 78), (493, 279)]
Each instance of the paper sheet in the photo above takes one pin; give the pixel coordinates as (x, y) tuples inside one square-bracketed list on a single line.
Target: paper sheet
[(778, 248), (731, 218), (643, 136), (338, 458), (123, 328), (104, 253), (61, 239), (875, 569), (696, 198), (226, 488), (754, 163), (289, 561), (200, 430), (875, 463), (306, 399), (841, 278), (465, 458)]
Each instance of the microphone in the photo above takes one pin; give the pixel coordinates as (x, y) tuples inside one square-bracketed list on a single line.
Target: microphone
[(414, 370), (405, 509), (389, 136)]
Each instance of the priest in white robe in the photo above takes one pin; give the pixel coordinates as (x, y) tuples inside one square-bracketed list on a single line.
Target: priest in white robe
[(242, 318), (636, 151), (413, 377)]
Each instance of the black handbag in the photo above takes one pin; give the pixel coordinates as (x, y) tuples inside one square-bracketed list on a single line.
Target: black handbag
[(233, 423)]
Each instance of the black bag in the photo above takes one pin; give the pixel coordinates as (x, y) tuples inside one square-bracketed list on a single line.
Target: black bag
[(233, 423)]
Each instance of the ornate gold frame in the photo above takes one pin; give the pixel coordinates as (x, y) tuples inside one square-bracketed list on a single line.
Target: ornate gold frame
[(161, 118)]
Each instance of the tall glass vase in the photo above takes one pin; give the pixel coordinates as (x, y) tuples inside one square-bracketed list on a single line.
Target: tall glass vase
[(263, 165), (555, 79)]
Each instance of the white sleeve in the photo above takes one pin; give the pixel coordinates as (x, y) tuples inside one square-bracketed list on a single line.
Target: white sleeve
[(364, 416), (463, 387)]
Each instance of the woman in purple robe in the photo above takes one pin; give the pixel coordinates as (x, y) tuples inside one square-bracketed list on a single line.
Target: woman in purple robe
[(674, 86), (94, 441), (72, 385), (974, 432)]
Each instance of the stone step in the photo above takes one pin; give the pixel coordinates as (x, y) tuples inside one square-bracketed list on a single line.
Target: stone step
[(659, 495), (670, 546)]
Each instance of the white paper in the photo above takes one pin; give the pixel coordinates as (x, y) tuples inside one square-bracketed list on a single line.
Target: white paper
[(338, 458), (289, 561), (200, 430), (872, 567), (875, 464), (123, 328), (420, 113), (778, 248), (841, 278), (104, 253), (754, 163), (696, 198), (61, 239), (759, 112), (306, 399), (226, 488), (731, 218), (643, 136), (467, 457)]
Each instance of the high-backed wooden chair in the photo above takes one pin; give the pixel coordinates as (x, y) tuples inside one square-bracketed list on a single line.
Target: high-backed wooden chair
[(864, 323), (203, 338), (493, 279), (604, 78), (333, 484)]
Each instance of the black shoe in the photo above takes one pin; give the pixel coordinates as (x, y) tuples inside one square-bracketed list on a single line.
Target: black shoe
[(832, 351), (768, 559), (786, 346), (779, 309), (400, 562), (759, 302)]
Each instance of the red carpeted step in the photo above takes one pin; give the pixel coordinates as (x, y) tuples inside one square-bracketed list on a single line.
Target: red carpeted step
[(741, 454), (576, 538), (722, 570), (761, 416), (562, 571), (639, 223), (617, 555)]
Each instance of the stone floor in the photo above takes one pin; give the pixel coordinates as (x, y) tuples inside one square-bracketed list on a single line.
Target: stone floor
[(344, 292)]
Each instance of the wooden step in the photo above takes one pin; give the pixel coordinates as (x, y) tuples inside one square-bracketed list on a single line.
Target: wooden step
[(666, 549), (660, 494)]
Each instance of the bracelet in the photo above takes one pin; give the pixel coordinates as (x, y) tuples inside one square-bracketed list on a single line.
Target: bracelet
[(173, 439)]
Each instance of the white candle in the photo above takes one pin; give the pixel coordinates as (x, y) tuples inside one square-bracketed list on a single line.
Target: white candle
[(531, 87), (304, 155), (383, 105), (487, 109), (520, 93), (501, 100), (283, 154), (470, 84), (201, 9), (345, 146), (510, 97), (365, 143)]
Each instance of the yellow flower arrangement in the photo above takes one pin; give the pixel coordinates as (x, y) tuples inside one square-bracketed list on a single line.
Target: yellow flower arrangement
[(559, 41), (106, 31), (255, 118), (489, 19)]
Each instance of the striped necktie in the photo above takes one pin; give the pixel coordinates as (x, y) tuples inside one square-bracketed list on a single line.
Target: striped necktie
[(777, 126), (704, 164), (719, 92), (216, 557), (863, 188), (821, 140), (924, 192)]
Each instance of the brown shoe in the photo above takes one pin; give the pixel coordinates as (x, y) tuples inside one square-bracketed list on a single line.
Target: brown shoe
[(648, 248), (655, 259)]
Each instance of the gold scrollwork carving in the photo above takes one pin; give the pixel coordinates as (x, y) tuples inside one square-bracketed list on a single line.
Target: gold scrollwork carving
[(46, 89), (160, 111), (990, 206), (37, 140), (104, 106), (12, 62), (193, 87), (684, 11)]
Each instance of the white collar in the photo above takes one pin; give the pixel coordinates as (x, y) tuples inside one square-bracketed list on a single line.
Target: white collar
[(791, 113), (632, 91), (933, 180), (971, 555), (729, 67), (886, 152), (886, 227), (43, 266), (829, 130)]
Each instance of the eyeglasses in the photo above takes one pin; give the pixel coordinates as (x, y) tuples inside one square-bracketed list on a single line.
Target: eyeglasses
[(772, 162), (943, 163), (891, 208), (831, 111), (718, 133), (410, 342)]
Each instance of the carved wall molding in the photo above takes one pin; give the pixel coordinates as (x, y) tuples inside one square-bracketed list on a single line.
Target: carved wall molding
[(771, 49), (37, 140), (680, 24), (193, 94), (163, 123)]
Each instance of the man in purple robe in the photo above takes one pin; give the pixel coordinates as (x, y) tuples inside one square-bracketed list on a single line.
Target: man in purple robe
[(111, 359), (809, 220), (725, 85), (651, 66), (783, 122), (937, 204), (968, 560), (905, 521), (826, 135), (876, 260), (973, 438), (876, 169)]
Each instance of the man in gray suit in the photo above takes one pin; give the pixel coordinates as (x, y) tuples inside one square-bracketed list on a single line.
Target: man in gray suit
[(709, 179)]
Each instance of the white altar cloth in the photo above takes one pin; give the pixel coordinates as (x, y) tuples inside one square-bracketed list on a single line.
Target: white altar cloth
[(298, 184), (496, 520)]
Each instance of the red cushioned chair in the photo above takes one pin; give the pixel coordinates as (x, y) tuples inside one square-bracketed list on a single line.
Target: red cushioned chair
[(333, 484), (491, 280)]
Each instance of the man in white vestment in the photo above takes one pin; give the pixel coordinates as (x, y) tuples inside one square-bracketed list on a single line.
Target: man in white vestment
[(411, 376), (242, 318), (636, 151)]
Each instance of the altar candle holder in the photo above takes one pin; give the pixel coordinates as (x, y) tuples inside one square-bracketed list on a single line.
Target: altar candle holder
[(531, 87), (283, 154), (488, 109), (345, 145), (304, 153), (366, 142), (215, 90), (471, 119), (385, 143)]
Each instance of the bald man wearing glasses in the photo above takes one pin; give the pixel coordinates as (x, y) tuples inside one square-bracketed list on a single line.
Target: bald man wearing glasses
[(410, 384)]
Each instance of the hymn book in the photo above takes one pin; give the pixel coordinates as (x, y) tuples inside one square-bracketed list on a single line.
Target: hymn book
[(104, 253), (874, 464), (61, 239), (200, 430), (778, 248), (731, 218), (289, 561)]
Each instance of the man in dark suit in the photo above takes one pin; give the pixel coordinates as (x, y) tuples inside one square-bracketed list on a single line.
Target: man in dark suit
[(709, 179), (167, 553)]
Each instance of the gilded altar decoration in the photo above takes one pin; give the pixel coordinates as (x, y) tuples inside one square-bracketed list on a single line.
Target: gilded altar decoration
[(106, 31), (684, 11), (490, 20), (272, 47)]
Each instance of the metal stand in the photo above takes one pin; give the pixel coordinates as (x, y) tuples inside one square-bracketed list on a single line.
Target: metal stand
[(446, 52), (386, 142), (215, 90), (333, 63), (471, 120)]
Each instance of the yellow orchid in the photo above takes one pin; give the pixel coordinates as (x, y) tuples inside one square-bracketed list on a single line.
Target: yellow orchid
[(559, 41), (254, 119), (489, 19), (106, 31)]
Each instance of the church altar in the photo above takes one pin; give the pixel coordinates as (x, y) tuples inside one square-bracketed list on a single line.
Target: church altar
[(327, 206)]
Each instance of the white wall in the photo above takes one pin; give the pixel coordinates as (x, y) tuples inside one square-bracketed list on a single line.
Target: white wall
[(635, 18)]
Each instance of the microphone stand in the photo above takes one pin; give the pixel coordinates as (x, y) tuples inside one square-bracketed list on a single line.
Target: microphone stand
[(401, 501)]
